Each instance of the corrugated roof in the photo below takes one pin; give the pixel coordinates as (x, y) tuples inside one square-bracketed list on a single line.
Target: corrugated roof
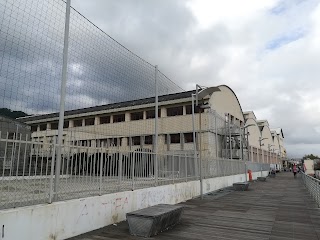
[(137, 102)]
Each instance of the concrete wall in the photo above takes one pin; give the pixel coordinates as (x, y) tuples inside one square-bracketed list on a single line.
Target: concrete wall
[(65, 219)]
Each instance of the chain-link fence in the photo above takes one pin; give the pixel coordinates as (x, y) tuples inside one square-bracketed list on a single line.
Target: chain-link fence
[(125, 126)]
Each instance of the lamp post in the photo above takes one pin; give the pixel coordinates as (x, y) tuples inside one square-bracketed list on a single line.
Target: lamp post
[(261, 144), (201, 93), (269, 146), (241, 148)]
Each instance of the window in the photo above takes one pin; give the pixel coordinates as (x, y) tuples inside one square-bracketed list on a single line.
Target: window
[(65, 124), (151, 114), (196, 109), (103, 142), (148, 140), (77, 123), (34, 128), (188, 137), (11, 135), (136, 116), (175, 111), (114, 142), (136, 140), (231, 119), (118, 118), (89, 122), (54, 125), (43, 127), (175, 138), (104, 119)]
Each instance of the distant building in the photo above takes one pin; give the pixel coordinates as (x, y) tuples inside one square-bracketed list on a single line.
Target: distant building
[(12, 153)]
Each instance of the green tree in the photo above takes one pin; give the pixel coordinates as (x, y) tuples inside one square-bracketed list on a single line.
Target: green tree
[(310, 156), (11, 114)]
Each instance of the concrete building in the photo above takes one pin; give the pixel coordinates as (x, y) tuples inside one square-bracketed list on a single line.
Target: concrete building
[(130, 126), (10, 151), (266, 144)]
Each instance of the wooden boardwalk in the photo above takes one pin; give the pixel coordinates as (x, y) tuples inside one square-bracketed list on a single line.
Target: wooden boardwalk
[(279, 209)]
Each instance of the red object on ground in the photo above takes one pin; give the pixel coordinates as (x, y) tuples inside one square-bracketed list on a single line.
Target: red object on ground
[(250, 175)]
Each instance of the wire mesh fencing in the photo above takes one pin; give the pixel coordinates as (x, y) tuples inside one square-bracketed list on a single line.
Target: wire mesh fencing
[(114, 137), (100, 72)]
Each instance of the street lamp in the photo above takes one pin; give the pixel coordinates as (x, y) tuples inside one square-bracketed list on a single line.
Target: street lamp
[(241, 147), (269, 145), (261, 144), (201, 92)]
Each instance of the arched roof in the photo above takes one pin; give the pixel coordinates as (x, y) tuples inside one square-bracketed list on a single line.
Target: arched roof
[(266, 133), (275, 138), (226, 101), (254, 132)]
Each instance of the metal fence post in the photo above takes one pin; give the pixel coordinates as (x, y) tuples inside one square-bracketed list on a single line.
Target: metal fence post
[(194, 138), (101, 173), (172, 159), (62, 96), (132, 170), (120, 171), (53, 158), (216, 133), (156, 126), (186, 166)]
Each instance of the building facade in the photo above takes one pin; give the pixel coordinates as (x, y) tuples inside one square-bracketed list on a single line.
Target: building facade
[(130, 126)]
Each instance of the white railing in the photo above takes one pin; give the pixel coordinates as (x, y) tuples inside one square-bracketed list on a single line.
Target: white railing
[(313, 186), (27, 171)]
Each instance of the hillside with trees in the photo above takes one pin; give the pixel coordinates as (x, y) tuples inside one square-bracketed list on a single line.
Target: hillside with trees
[(11, 114)]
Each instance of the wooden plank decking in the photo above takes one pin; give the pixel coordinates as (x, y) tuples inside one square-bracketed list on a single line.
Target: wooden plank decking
[(279, 209)]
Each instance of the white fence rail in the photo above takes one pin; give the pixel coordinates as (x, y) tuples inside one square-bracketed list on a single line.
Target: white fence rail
[(313, 186), (27, 171)]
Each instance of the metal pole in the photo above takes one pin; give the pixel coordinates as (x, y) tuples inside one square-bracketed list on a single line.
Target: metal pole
[(216, 130), (230, 143), (200, 159), (194, 137), (241, 156), (156, 127), (62, 97), (248, 144)]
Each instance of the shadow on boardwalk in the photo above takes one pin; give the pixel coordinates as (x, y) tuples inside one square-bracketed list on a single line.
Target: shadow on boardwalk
[(279, 209)]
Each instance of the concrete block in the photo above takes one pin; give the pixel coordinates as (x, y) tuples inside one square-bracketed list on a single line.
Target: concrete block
[(241, 186), (261, 179), (151, 221)]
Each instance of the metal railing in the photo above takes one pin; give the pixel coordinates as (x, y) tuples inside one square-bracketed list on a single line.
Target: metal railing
[(27, 171), (313, 186)]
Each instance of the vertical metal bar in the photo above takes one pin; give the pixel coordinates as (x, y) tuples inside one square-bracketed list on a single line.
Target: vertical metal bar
[(51, 193), (241, 147), (13, 150), (25, 155), (156, 126), (186, 166), (230, 141), (132, 170), (194, 138), (216, 133), (200, 157), (120, 171), (101, 170), (172, 159), (62, 95)]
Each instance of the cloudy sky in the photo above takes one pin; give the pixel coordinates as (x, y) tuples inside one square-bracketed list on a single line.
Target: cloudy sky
[(268, 51)]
